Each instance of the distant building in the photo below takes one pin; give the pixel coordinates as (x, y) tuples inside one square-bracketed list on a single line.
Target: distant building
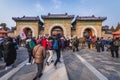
[(64, 24), (116, 34), (106, 32), (3, 33)]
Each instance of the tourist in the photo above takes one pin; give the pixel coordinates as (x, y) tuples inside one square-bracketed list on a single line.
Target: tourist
[(30, 44), (114, 47), (117, 45), (103, 42), (1, 49), (57, 48), (50, 50), (89, 42), (68, 44), (9, 53), (39, 57), (108, 41), (63, 43), (98, 44), (44, 42), (75, 44)]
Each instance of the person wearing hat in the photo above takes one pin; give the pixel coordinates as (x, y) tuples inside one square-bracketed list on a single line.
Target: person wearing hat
[(39, 57)]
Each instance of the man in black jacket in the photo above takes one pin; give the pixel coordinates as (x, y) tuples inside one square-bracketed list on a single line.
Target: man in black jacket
[(114, 47), (9, 52)]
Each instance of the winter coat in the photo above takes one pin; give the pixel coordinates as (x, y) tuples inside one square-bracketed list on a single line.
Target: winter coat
[(9, 52), (88, 41), (112, 47), (39, 53), (44, 43), (49, 45)]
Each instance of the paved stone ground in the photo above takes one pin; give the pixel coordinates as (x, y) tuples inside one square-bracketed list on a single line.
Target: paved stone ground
[(76, 70), (28, 72), (21, 56), (103, 62)]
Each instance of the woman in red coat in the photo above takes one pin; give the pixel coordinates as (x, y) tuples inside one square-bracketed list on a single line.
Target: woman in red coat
[(44, 42)]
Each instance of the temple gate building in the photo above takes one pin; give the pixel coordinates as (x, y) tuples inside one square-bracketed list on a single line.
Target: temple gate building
[(64, 24)]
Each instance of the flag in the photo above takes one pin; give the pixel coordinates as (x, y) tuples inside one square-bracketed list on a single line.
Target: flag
[(22, 35)]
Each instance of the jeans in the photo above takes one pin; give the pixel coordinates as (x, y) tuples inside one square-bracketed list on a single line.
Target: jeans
[(39, 70), (58, 57)]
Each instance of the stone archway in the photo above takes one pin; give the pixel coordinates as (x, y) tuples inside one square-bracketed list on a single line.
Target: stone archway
[(28, 29), (60, 26), (88, 32), (91, 31), (28, 32), (57, 30)]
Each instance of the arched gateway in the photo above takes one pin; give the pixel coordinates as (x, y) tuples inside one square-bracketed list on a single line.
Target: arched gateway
[(63, 24), (89, 26), (57, 30), (57, 23), (28, 25), (28, 32), (89, 31)]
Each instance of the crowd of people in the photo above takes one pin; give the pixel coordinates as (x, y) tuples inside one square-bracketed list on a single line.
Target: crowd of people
[(102, 44), (39, 48)]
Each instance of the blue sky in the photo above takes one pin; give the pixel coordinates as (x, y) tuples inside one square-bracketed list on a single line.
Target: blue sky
[(19, 8)]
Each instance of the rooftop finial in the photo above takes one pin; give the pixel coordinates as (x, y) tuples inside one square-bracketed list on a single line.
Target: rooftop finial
[(65, 13), (24, 16), (93, 15), (48, 14)]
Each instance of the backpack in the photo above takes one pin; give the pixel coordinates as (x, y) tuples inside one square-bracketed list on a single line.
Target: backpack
[(75, 43), (63, 43), (32, 44), (116, 43), (55, 44)]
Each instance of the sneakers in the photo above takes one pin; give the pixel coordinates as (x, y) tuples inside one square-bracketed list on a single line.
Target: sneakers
[(52, 61), (40, 75), (34, 78), (47, 63), (33, 61), (28, 63), (8, 67)]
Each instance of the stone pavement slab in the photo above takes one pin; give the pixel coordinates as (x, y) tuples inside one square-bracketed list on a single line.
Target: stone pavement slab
[(50, 73), (76, 69), (22, 55), (103, 62), (28, 72)]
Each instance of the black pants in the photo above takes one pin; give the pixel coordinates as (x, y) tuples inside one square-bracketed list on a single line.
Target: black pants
[(89, 46), (9, 62), (98, 48), (30, 55), (39, 70), (116, 52), (1, 54), (102, 47), (75, 49), (58, 57)]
